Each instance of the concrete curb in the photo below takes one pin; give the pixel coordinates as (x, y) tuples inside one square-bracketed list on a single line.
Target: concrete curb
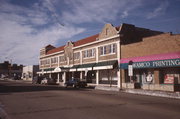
[(106, 88), (175, 95)]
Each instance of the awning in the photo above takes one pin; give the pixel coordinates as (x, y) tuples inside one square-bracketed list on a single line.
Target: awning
[(40, 72), (74, 68), (166, 56), (60, 69), (153, 61), (105, 65), (49, 70), (57, 69), (85, 67)]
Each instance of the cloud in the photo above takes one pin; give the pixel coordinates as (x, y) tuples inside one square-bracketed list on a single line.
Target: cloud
[(97, 10), (20, 36), (160, 10)]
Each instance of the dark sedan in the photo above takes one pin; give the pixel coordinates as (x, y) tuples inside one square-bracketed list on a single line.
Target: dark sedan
[(76, 83)]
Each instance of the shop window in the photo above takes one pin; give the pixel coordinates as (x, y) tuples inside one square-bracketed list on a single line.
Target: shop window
[(170, 76), (140, 76)]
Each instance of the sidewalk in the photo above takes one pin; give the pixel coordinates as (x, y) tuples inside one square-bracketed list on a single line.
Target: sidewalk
[(175, 95)]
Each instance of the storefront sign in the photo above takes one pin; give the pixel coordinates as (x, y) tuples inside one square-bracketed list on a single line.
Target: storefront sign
[(159, 63), (169, 80), (130, 70)]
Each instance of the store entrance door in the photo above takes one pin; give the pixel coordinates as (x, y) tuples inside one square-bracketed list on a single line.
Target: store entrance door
[(140, 77)]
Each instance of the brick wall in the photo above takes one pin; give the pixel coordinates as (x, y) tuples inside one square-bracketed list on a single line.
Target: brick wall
[(164, 43)]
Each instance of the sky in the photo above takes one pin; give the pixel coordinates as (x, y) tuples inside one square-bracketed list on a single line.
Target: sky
[(26, 26)]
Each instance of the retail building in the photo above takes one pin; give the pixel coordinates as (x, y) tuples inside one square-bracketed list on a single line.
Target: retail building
[(95, 58), (155, 63)]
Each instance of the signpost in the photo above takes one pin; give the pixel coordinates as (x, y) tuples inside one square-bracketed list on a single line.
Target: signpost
[(130, 70)]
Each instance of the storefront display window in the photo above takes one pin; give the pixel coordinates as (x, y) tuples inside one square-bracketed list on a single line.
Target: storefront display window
[(144, 77), (171, 76)]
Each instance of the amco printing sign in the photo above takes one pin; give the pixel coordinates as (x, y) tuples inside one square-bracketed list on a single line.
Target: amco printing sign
[(153, 64)]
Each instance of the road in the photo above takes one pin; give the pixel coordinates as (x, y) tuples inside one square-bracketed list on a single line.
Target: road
[(26, 101)]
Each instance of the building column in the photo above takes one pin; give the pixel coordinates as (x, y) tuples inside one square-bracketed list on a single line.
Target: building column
[(119, 59), (81, 75), (97, 77), (123, 75), (119, 82), (57, 77), (64, 77), (156, 77), (50, 75)]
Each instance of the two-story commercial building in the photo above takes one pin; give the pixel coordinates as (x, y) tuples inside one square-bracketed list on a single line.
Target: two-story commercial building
[(95, 58)]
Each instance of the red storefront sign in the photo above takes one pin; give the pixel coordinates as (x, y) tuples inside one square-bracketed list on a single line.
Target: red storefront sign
[(169, 79)]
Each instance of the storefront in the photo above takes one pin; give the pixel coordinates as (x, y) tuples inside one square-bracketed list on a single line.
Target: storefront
[(155, 72)]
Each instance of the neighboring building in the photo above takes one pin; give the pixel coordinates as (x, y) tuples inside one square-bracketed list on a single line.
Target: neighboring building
[(95, 58), (155, 61), (10, 70), (4, 69), (29, 72)]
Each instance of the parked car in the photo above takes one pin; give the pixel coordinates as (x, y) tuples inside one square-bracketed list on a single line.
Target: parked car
[(76, 83), (37, 79), (44, 80), (51, 81)]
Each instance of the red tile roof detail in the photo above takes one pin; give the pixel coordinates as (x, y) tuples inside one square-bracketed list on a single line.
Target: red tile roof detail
[(55, 50), (77, 43), (86, 40)]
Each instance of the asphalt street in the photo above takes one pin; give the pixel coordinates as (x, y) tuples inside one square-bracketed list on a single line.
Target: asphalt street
[(20, 100)]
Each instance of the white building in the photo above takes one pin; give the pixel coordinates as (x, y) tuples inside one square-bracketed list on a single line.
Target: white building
[(29, 72)]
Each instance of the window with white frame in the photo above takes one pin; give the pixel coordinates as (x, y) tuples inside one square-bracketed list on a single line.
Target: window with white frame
[(108, 49), (89, 53), (61, 58), (41, 62), (76, 55), (54, 60), (45, 62)]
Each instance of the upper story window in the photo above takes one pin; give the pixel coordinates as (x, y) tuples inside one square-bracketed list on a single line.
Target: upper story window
[(61, 58), (108, 49), (41, 62), (89, 53), (76, 55), (45, 62), (54, 60)]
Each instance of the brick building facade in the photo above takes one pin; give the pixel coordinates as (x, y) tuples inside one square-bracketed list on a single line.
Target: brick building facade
[(156, 63), (97, 58)]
